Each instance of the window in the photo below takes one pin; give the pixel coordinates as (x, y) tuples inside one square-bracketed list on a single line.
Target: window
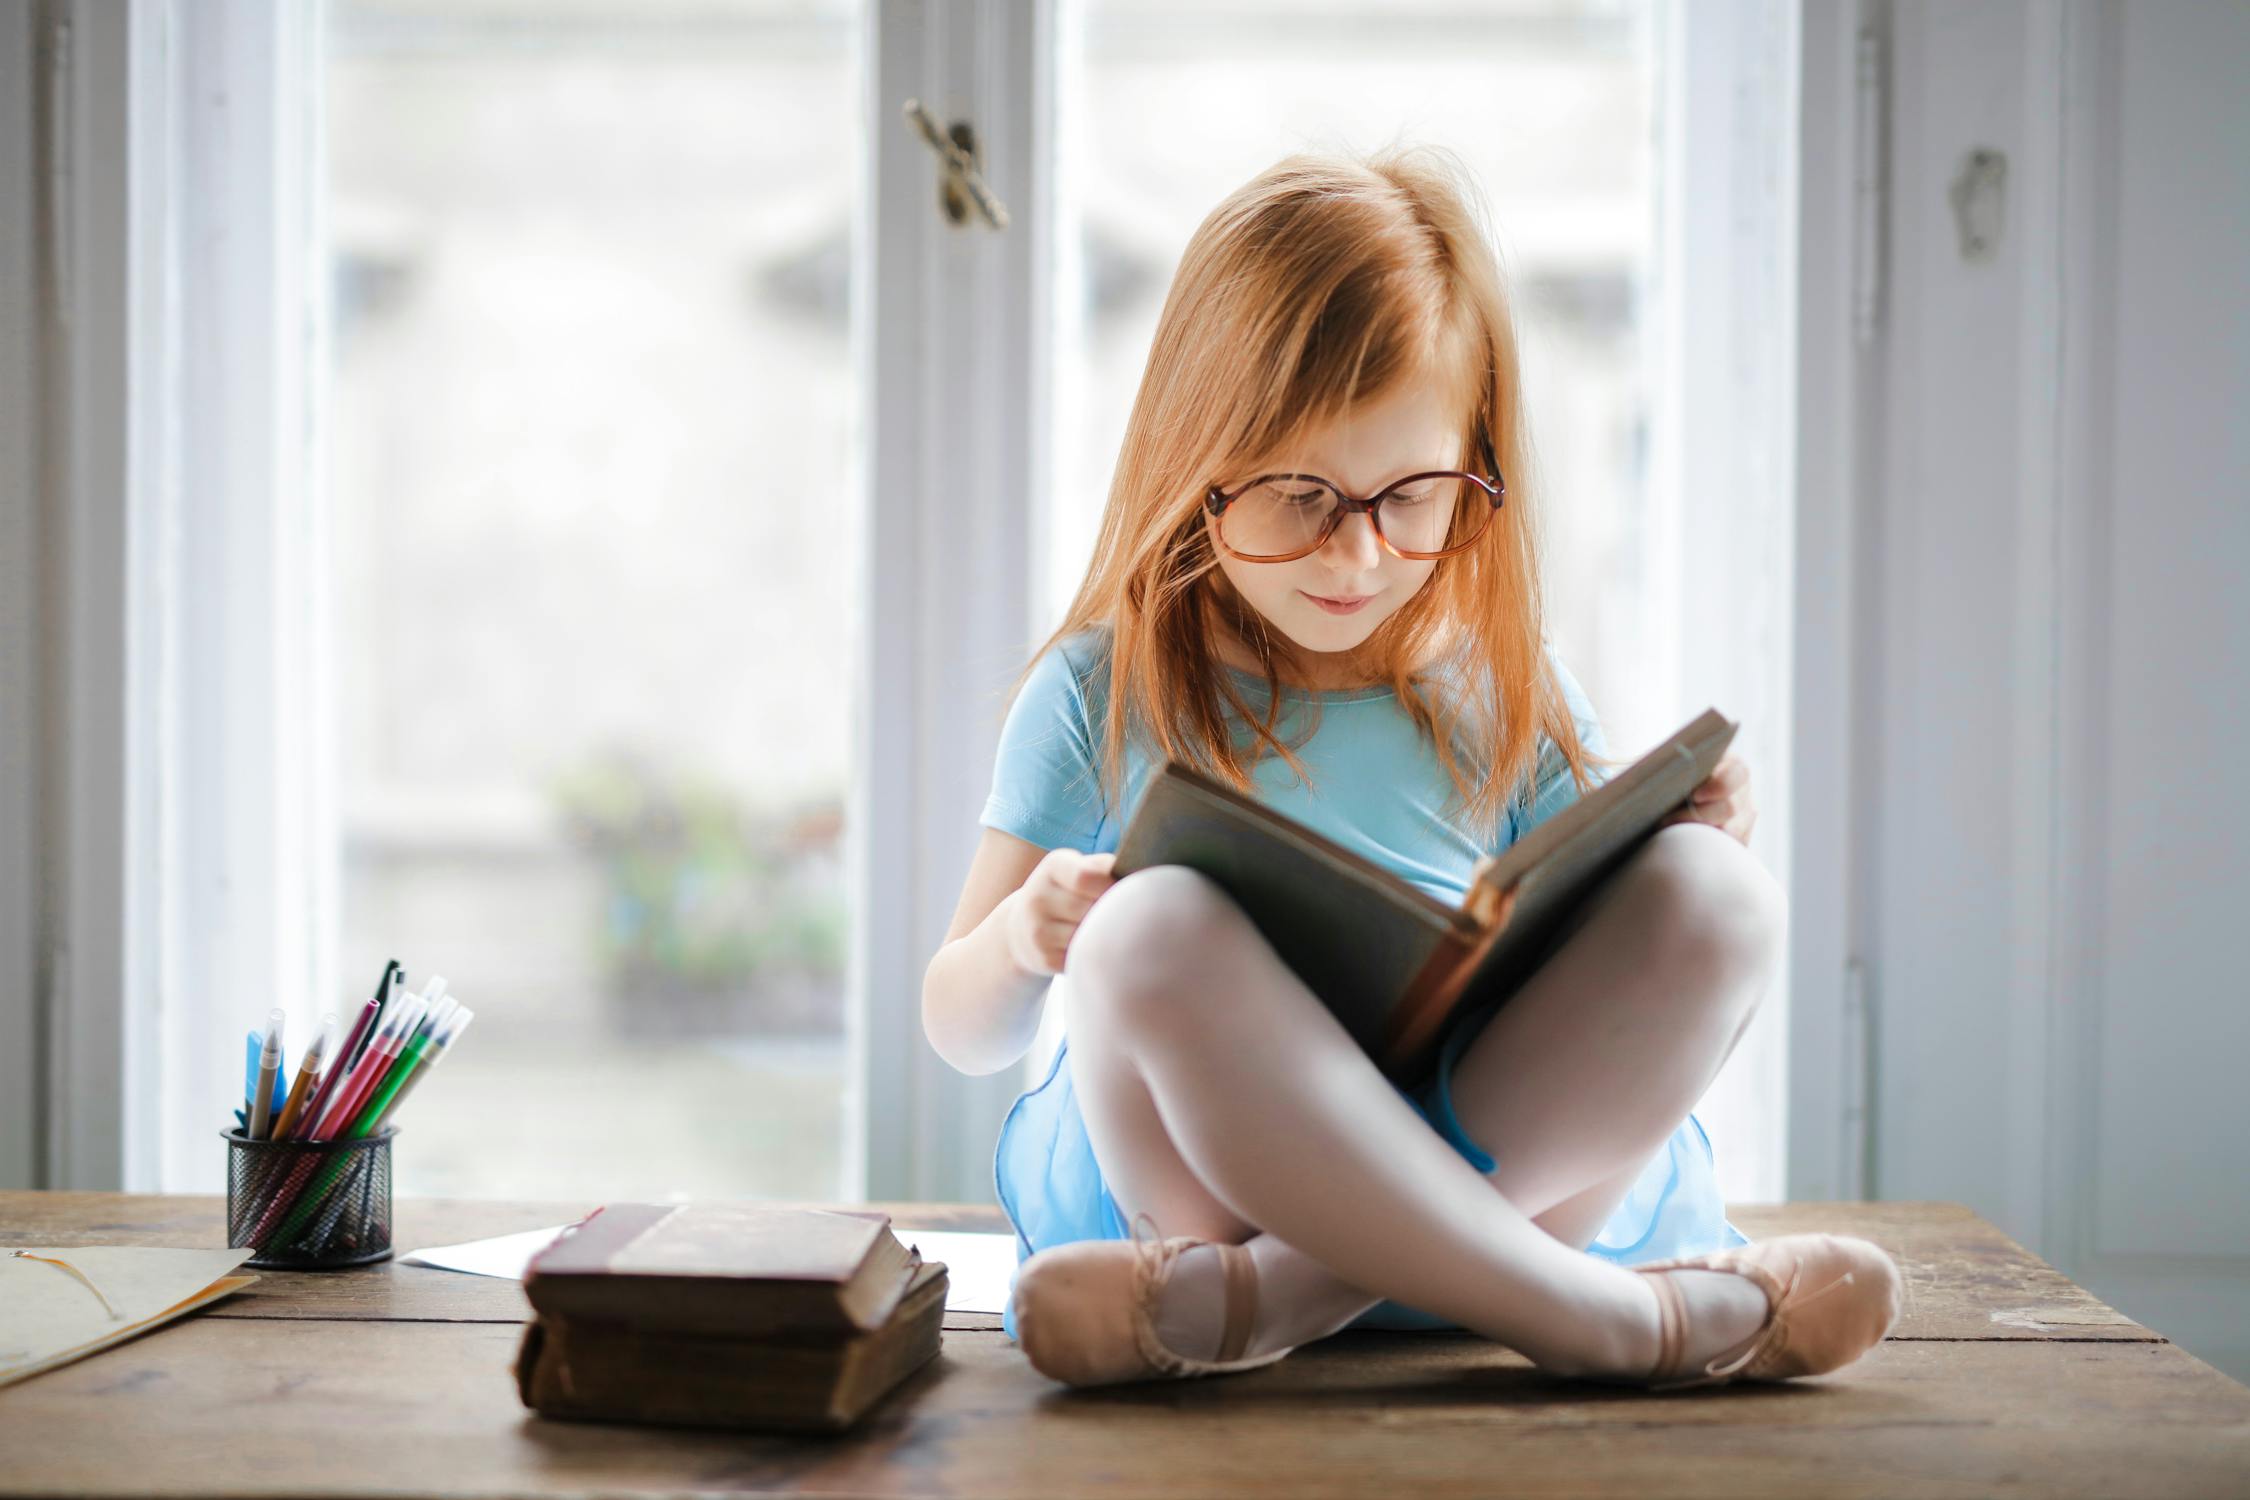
[(557, 649), (592, 489)]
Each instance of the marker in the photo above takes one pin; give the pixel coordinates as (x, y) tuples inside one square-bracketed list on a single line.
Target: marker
[(269, 1069), (373, 1064), (324, 1124), (433, 1050), (340, 1067), (394, 975)]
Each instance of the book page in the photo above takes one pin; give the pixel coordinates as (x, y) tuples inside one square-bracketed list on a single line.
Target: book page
[(49, 1317)]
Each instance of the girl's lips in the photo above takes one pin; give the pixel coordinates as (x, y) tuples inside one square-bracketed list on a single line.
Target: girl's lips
[(1335, 607)]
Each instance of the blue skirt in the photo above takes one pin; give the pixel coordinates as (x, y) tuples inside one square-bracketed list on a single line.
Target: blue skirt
[(1052, 1188)]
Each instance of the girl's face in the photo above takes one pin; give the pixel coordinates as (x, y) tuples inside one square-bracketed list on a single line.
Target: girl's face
[(1410, 430)]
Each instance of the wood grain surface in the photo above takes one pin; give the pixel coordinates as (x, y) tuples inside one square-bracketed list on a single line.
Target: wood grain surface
[(2003, 1378)]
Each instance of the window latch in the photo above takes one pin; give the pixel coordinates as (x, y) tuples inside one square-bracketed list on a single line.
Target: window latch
[(962, 186)]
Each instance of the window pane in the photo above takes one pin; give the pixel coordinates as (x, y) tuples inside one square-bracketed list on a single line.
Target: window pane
[(1550, 105), (593, 531)]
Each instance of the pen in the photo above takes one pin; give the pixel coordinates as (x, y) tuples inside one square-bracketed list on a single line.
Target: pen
[(308, 1071), (269, 1065), (340, 1066)]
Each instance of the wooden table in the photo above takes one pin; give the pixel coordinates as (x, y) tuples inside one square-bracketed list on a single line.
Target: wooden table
[(2002, 1378)]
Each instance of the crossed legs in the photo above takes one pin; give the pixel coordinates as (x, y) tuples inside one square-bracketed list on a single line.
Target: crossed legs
[(1223, 1099)]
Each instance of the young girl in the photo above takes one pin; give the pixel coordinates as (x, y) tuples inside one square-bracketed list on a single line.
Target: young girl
[(1317, 578)]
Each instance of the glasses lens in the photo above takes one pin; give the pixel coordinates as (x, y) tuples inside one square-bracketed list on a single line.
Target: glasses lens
[(1430, 514), (1276, 517)]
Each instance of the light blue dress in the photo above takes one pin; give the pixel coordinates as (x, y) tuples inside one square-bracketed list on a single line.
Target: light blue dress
[(1379, 789)]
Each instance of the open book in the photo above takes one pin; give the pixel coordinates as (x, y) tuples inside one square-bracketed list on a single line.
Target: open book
[(1392, 961)]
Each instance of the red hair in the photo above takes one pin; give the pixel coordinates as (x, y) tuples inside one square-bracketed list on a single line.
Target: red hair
[(1323, 282)]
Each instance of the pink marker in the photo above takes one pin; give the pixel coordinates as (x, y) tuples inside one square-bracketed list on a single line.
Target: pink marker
[(373, 1063), (316, 1108)]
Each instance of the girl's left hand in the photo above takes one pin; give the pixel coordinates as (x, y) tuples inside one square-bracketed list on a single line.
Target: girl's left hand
[(1722, 801)]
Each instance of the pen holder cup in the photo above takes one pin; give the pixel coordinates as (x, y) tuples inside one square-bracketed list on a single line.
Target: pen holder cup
[(309, 1205)]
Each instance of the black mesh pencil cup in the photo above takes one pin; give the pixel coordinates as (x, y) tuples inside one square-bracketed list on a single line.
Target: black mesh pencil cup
[(307, 1205)]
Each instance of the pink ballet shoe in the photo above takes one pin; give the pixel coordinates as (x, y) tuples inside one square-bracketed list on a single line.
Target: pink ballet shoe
[(1086, 1311), (1830, 1298)]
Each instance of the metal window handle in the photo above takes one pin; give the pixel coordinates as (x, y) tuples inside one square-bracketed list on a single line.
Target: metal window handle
[(963, 184), (1979, 197)]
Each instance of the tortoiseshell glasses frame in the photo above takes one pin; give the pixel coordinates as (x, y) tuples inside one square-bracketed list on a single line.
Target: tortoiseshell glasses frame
[(1492, 486)]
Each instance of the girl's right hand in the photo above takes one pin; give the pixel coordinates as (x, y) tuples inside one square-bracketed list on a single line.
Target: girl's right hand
[(1051, 903)]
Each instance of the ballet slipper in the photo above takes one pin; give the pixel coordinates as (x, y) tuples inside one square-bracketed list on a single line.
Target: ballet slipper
[(1086, 1311), (1853, 1302)]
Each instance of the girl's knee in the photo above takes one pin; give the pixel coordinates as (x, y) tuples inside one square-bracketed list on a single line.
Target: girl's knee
[(1140, 943), (1718, 912)]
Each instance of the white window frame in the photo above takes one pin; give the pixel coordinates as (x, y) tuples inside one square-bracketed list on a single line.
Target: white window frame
[(185, 708), (956, 375), (1723, 439), (1838, 293), (180, 884)]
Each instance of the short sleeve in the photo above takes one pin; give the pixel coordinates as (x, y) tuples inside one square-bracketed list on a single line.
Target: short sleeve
[(1553, 787), (1046, 785)]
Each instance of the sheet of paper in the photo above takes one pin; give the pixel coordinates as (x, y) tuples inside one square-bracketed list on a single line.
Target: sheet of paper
[(978, 1267), (49, 1317), (505, 1255)]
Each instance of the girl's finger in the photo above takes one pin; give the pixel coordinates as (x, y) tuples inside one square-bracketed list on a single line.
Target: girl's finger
[(1730, 775)]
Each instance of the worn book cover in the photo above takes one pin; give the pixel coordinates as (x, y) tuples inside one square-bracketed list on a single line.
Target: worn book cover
[(737, 1269), (1392, 961), (604, 1372)]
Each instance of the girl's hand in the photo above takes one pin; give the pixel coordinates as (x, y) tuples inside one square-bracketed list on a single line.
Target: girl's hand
[(1051, 903), (1723, 801)]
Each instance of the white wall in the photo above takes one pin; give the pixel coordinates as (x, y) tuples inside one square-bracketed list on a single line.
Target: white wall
[(2053, 649)]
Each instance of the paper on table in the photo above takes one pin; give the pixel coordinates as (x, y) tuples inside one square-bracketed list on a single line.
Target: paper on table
[(505, 1255), (977, 1266), (49, 1317)]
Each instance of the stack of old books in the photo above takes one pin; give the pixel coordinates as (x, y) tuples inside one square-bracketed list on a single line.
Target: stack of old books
[(726, 1315)]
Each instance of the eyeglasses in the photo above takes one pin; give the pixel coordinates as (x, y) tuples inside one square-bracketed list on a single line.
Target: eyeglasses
[(1280, 517)]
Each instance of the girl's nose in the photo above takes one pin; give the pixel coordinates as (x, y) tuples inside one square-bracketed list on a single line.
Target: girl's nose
[(1355, 540)]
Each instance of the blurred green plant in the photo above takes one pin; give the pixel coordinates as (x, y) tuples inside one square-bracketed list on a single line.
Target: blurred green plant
[(703, 893)]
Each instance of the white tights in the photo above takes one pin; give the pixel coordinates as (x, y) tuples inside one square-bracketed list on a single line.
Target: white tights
[(1223, 1099)]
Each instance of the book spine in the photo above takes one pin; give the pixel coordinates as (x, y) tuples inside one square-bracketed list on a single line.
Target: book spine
[(1481, 906), (1429, 999)]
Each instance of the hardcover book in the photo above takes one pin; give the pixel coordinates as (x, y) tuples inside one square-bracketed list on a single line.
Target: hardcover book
[(609, 1372), (1393, 962), (739, 1270)]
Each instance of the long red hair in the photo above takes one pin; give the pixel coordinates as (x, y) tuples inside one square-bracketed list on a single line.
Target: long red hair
[(1322, 282)]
